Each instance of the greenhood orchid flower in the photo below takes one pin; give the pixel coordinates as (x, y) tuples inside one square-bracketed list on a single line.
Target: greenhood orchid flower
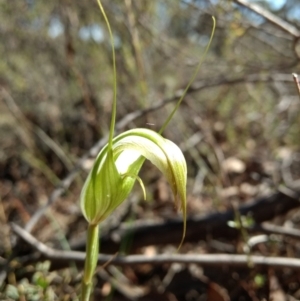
[(116, 169), (112, 177), (115, 172)]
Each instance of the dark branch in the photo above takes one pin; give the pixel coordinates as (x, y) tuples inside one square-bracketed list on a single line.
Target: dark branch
[(198, 228)]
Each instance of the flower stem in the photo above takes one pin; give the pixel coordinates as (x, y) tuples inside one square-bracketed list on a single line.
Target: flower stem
[(191, 80), (92, 250), (114, 106)]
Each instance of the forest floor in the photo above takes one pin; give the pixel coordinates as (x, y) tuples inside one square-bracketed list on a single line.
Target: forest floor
[(240, 246)]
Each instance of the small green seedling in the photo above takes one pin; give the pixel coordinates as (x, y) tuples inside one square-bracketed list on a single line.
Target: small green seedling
[(116, 169)]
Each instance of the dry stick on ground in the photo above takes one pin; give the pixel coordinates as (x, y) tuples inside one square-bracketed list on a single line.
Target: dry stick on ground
[(92, 153), (60, 258)]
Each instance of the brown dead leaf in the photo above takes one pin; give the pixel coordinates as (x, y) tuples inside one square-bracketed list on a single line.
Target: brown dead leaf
[(215, 292)]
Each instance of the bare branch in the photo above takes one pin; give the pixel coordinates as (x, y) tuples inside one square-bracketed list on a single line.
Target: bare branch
[(287, 27), (296, 80)]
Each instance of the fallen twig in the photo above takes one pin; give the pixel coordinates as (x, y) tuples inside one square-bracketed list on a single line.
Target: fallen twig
[(61, 259)]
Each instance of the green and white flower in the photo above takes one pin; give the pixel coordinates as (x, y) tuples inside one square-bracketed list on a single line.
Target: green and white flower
[(115, 171)]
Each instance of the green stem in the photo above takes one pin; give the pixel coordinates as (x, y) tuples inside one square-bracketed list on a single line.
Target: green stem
[(114, 106), (191, 80), (92, 250)]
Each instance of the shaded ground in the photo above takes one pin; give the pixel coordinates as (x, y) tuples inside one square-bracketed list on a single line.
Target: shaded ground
[(152, 228)]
